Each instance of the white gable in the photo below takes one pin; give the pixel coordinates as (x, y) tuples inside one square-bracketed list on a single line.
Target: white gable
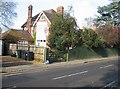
[(39, 17)]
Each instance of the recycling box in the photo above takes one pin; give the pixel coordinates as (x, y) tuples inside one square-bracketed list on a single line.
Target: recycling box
[(27, 55)]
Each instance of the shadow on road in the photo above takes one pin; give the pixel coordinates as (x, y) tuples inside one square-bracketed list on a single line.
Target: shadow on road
[(111, 79)]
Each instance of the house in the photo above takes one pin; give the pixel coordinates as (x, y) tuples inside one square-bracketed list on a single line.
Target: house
[(14, 36), (40, 24), (17, 36)]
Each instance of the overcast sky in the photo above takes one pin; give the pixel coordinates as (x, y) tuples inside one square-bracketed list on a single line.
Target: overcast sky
[(82, 8)]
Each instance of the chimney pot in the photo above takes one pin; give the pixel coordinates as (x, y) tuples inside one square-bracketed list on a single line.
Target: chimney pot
[(60, 10)]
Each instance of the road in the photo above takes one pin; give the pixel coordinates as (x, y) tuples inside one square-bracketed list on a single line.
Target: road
[(97, 74)]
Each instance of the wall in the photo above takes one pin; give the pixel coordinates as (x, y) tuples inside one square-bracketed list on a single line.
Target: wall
[(39, 52)]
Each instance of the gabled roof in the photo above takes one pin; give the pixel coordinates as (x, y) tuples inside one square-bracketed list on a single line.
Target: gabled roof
[(17, 35), (47, 13)]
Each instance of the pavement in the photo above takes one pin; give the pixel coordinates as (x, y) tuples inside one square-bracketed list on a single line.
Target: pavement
[(40, 67)]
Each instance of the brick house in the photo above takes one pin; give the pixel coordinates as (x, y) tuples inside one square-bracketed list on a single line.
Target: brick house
[(40, 24)]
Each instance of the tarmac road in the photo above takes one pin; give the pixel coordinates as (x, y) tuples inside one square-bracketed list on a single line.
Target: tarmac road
[(97, 74)]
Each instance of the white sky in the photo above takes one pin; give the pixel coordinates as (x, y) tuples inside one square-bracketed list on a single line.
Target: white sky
[(82, 8)]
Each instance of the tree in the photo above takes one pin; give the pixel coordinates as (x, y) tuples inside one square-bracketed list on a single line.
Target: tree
[(91, 39), (110, 35), (109, 14), (62, 32), (7, 13)]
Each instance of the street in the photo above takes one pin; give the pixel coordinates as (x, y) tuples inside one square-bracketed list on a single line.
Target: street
[(97, 74)]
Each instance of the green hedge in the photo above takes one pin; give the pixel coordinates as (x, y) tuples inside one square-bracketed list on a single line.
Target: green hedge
[(85, 53)]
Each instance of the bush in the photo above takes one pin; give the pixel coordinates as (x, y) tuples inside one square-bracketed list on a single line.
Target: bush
[(91, 39), (56, 56)]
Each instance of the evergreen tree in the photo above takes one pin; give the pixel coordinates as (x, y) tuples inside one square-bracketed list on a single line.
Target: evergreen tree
[(109, 14), (62, 32)]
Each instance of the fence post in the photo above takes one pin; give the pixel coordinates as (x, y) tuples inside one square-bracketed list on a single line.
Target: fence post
[(45, 55), (28, 47), (16, 46)]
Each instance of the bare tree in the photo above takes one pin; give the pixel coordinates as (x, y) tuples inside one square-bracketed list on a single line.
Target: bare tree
[(7, 13)]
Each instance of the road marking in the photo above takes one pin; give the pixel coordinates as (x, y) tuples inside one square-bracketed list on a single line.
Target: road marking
[(12, 74), (59, 77), (83, 72), (69, 75), (12, 87), (73, 74), (106, 66), (77, 73), (108, 84)]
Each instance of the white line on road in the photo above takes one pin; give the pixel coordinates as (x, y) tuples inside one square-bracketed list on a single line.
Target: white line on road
[(69, 75), (77, 73), (12, 87), (72, 74), (59, 77), (106, 66), (108, 84), (12, 74)]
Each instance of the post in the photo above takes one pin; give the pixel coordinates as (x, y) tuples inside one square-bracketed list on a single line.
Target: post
[(28, 47), (67, 55), (69, 48), (44, 55), (16, 46)]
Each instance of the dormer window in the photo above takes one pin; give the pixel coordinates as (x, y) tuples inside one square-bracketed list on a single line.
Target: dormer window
[(42, 17)]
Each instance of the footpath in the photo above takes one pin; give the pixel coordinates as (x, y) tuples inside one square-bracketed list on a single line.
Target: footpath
[(41, 67)]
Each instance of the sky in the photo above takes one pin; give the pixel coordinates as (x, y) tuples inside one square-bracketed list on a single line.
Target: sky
[(82, 9)]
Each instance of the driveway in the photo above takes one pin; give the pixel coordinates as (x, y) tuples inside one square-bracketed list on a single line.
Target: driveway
[(8, 61)]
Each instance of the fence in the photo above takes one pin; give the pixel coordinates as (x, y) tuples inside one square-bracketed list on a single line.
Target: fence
[(39, 52)]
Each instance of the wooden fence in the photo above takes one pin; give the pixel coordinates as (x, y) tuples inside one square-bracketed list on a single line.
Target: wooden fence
[(39, 52)]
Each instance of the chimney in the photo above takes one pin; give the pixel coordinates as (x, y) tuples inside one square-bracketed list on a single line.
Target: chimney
[(60, 10), (94, 27), (29, 20)]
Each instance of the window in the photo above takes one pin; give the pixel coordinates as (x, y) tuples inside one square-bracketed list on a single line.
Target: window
[(38, 44), (38, 40), (41, 40), (23, 42), (42, 17)]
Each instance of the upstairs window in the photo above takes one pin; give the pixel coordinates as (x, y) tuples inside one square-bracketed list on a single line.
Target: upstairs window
[(42, 17)]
